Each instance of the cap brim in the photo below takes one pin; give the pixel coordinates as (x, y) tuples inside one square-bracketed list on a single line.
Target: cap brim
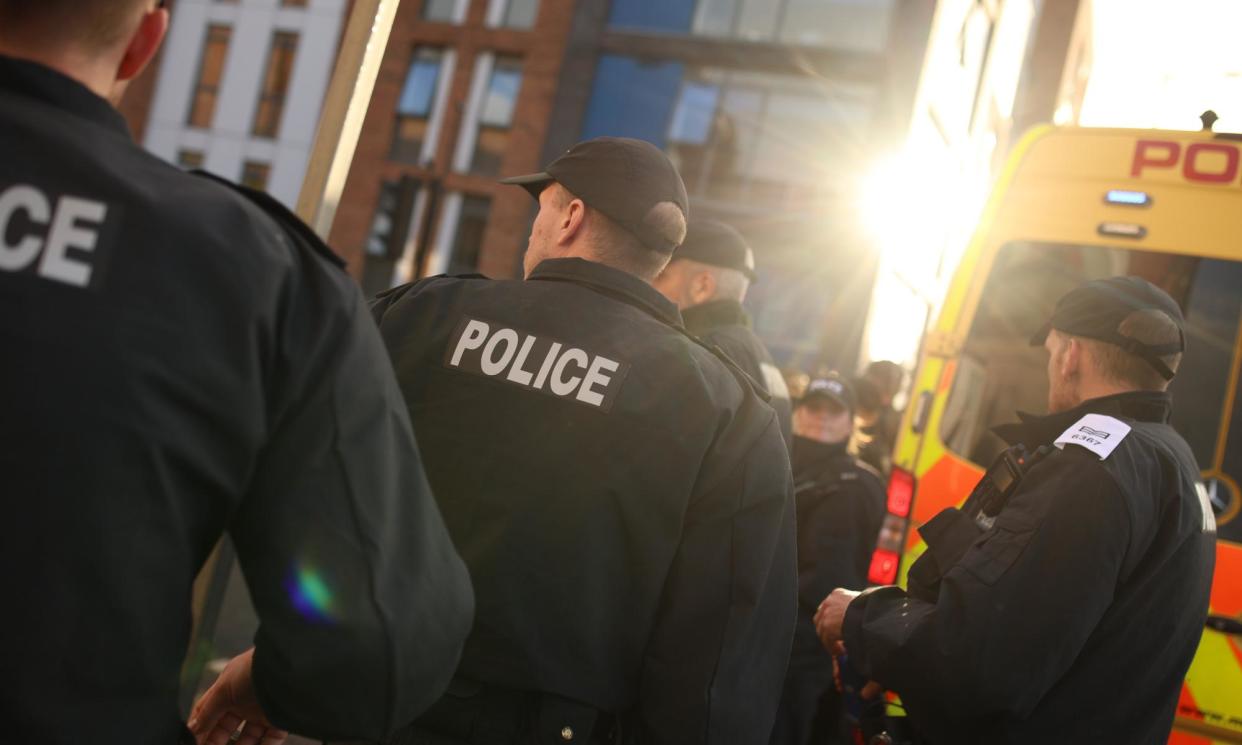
[(812, 395), (1041, 336), (532, 183)]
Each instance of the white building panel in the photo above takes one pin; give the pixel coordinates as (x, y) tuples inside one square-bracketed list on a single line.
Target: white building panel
[(229, 143)]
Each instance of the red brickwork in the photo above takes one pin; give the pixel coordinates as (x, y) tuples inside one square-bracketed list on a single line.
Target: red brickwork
[(542, 50)]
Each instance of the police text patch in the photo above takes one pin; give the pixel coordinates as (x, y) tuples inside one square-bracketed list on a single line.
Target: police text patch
[(1098, 433), (56, 237), (535, 362)]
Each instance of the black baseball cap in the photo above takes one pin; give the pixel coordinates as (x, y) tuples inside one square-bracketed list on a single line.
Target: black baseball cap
[(1096, 310), (832, 386), (713, 243), (622, 178)]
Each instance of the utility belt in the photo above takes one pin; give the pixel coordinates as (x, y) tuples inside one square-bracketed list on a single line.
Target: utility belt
[(473, 713)]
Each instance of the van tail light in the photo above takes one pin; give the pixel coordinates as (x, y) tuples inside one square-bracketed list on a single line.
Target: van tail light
[(883, 569), (900, 492), (886, 559)]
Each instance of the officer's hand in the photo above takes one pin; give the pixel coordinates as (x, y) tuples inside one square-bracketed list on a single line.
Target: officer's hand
[(229, 703), (830, 616)]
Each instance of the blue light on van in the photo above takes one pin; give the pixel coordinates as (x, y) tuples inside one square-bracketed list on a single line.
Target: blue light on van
[(1128, 198)]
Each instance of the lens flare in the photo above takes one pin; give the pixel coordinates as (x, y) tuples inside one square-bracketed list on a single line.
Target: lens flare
[(310, 594)]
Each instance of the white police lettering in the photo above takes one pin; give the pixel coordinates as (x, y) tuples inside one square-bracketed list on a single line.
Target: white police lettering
[(1205, 506), (535, 363), (74, 224), (1098, 433)]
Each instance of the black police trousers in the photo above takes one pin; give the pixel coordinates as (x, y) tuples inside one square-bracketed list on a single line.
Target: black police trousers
[(476, 714)]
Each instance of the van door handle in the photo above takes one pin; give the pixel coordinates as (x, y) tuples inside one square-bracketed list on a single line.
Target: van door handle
[(922, 411)]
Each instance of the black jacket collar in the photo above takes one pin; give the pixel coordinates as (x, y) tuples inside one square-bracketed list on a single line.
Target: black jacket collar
[(1033, 431), (811, 454), (714, 314), (611, 282), (32, 80)]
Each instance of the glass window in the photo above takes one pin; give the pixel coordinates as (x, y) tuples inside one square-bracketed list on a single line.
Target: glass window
[(999, 373), (632, 98), (444, 11), (190, 159), (468, 241), (857, 25), (414, 106), (210, 71), (521, 13), (275, 83), (255, 174), (496, 115), (661, 15), (694, 114), (756, 20), (741, 136), (379, 255), (715, 17), (379, 239)]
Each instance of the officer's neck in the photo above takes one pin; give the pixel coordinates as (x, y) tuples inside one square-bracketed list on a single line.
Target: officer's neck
[(1089, 390), (96, 72)]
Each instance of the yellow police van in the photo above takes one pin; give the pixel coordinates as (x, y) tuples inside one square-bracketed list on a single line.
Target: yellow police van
[(1073, 205)]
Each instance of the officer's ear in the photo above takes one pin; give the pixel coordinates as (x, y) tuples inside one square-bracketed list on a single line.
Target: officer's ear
[(571, 222), (144, 43), (703, 286), (1073, 353)]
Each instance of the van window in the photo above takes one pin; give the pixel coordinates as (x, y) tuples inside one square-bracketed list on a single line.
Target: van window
[(999, 373)]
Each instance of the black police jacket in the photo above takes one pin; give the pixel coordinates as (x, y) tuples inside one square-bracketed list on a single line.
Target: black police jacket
[(725, 324), (178, 364), (1075, 617), (621, 496), (840, 508)]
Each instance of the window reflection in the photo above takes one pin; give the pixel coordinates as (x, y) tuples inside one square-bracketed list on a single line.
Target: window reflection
[(414, 106), (751, 136), (496, 116)]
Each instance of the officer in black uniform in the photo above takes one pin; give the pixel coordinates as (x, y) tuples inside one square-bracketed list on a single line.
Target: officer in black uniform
[(708, 277), (621, 493), (840, 508), (1065, 600), (179, 363)]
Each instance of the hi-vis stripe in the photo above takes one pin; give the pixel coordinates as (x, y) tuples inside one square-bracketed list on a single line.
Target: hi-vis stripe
[(1215, 680)]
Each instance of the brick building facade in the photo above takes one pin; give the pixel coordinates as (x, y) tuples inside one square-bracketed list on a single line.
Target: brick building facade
[(476, 86)]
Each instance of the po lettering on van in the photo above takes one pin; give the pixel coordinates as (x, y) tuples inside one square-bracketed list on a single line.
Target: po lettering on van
[(535, 363), (56, 237)]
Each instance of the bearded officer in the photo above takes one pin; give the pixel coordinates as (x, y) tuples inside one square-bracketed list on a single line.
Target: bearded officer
[(1065, 600), (708, 277), (620, 493)]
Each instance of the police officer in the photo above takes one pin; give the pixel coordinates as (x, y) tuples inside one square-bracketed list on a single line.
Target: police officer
[(620, 493), (708, 277), (1064, 602), (840, 508), (178, 363)]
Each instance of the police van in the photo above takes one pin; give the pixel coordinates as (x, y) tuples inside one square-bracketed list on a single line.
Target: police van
[(1074, 205)]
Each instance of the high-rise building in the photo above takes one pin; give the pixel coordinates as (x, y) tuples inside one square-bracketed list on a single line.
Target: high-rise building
[(769, 108), (463, 96), (777, 112)]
